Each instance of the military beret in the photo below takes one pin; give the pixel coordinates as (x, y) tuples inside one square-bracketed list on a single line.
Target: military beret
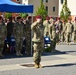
[(47, 18), (51, 17), (69, 18), (75, 19), (58, 18), (29, 17), (0, 17), (38, 17)]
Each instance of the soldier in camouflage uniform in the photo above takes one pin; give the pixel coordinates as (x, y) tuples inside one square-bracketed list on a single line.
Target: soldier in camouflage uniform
[(19, 35), (52, 33), (58, 29), (51, 19), (69, 29), (2, 36), (46, 26), (28, 35), (38, 40), (74, 33), (63, 35)]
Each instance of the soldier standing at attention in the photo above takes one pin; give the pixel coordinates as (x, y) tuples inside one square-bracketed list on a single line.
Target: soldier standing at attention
[(52, 32), (27, 33), (18, 34), (58, 29), (2, 35), (38, 40), (69, 29), (46, 26), (74, 33)]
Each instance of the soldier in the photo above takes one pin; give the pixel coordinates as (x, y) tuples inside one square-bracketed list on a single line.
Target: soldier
[(69, 29), (2, 35), (51, 19), (28, 35), (19, 36), (46, 25), (63, 35), (52, 32), (38, 40), (58, 29), (74, 31)]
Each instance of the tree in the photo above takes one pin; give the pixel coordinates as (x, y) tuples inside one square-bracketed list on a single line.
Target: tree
[(65, 12), (41, 10), (23, 15), (7, 15)]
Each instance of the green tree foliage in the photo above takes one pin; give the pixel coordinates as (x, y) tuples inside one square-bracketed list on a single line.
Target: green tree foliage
[(41, 11), (7, 15), (65, 12), (23, 15)]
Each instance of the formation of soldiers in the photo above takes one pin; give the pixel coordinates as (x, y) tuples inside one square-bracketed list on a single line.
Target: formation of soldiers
[(57, 30), (20, 29), (60, 31)]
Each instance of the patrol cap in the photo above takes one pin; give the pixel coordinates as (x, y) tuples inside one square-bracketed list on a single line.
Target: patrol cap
[(18, 17), (38, 17), (47, 18)]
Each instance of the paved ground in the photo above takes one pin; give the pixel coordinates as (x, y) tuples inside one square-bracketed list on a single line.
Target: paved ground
[(58, 63)]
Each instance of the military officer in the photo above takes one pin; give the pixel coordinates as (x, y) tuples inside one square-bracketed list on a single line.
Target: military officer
[(38, 40), (2, 35), (46, 25), (19, 35)]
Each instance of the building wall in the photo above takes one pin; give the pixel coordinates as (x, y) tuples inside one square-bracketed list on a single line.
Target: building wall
[(51, 4)]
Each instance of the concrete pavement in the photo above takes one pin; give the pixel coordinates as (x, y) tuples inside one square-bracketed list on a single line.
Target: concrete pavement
[(54, 64)]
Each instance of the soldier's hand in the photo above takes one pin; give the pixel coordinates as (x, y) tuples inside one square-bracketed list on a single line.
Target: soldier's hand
[(38, 20)]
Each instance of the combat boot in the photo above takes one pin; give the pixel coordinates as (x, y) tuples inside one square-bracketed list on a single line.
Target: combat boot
[(36, 65), (20, 54), (40, 66), (17, 54)]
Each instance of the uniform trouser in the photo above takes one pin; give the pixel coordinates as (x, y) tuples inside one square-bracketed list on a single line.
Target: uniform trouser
[(1, 45), (57, 38), (75, 36), (68, 37), (19, 43), (38, 48), (53, 44), (63, 37)]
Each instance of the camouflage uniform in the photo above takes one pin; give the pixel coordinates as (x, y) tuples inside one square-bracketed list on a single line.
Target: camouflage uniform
[(46, 26), (52, 32), (19, 34), (63, 34), (38, 40), (58, 30), (68, 28), (27, 32), (2, 36), (74, 32)]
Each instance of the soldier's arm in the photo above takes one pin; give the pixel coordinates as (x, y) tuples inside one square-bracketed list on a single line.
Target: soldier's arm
[(33, 26)]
